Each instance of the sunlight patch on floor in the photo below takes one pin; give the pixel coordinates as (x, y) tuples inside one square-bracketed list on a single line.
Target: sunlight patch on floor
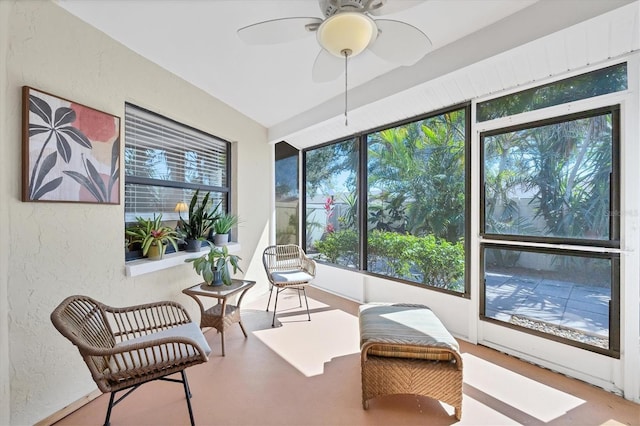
[(526, 395), (308, 345), (480, 414), (288, 301)]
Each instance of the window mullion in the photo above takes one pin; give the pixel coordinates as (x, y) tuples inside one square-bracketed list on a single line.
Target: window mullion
[(362, 200)]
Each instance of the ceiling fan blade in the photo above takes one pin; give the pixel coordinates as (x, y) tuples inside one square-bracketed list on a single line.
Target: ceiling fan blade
[(278, 30), (327, 67), (400, 43), (386, 7)]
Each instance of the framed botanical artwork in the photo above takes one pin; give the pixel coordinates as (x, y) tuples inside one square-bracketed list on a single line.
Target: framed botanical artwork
[(70, 152)]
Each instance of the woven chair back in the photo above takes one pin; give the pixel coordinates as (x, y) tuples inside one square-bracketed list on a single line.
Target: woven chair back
[(282, 258), (83, 321)]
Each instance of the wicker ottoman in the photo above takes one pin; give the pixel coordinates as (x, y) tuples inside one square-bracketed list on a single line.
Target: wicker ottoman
[(405, 349)]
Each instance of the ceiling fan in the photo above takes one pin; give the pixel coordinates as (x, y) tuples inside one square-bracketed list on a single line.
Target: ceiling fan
[(348, 28)]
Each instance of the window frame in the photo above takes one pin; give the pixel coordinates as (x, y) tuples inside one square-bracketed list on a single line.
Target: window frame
[(362, 190), (571, 79), (600, 248), (224, 191), (283, 151), (303, 223), (614, 306), (614, 201)]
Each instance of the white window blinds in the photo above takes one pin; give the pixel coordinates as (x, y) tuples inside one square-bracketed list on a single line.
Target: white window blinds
[(165, 162)]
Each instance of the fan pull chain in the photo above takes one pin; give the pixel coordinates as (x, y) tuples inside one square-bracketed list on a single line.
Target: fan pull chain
[(346, 53)]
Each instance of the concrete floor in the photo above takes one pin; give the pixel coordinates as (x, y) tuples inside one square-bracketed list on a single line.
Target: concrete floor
[(308, 373)]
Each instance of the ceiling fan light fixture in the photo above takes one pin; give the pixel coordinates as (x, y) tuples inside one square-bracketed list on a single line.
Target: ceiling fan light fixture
[(347, 31)]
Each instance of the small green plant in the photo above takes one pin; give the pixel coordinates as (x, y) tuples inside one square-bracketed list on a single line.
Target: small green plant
[(217, 260), (224, 223), (150, 232)]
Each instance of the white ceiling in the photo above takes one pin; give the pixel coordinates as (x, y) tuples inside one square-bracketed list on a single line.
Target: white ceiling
[(197, 40)]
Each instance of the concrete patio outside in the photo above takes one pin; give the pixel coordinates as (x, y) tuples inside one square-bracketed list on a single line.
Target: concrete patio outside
[(580, 311)]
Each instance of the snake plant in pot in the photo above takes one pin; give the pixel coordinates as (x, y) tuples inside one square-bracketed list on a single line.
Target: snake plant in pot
[(214, 265), (201, 218), (153, 236)]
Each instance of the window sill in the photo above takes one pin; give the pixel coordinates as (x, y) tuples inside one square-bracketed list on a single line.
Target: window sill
[(145, 266)]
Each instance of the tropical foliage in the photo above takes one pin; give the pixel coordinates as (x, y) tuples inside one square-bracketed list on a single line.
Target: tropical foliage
[(331, 176), (218, 260), (594, 83), (563, 169), (201, 217), (549, 180), (427, 260), (339, 247), (325, 164), (224, 223), (150, 232), (415, 201), (416, 177)]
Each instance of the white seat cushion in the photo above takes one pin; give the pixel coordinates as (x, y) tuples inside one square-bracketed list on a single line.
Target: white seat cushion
[(291, 277), (141, 358)]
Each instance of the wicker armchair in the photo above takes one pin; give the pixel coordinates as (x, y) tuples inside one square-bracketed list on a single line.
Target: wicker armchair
[(126, 347), (287, 266)]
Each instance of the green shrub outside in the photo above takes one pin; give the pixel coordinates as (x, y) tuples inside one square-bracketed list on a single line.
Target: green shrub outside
[(429, 260), (339, 247)]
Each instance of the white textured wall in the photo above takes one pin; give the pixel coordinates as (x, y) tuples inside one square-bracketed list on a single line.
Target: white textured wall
[(4, 223), (52, 250)]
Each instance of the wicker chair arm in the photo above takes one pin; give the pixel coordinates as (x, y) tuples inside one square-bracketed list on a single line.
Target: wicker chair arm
[(130, 347), (131, 363), (308, 265), (138, 320)]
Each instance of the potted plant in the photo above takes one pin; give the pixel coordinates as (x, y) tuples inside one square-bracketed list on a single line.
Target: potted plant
[(222, 227), (199, 221), (153, 236), (214, 265)]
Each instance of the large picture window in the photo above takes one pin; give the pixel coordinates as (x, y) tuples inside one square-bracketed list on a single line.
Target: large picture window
[(553, 181), (393, 202), (416, 201), (551, 189), (331, 203), (165, 162)]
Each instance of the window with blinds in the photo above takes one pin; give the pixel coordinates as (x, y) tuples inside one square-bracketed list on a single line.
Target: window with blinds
[(166, 162)]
